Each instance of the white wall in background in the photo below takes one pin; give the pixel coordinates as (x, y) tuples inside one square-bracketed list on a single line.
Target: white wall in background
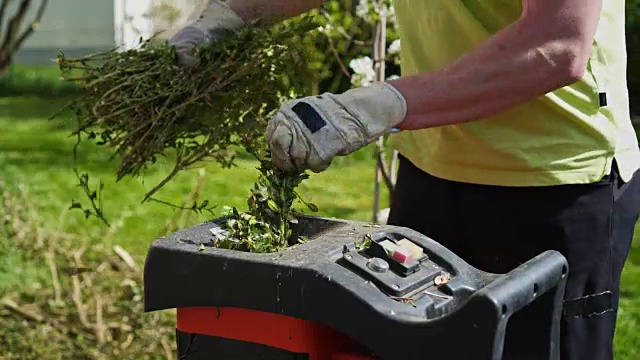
[(79, 27), (130, 22), (71, 23)]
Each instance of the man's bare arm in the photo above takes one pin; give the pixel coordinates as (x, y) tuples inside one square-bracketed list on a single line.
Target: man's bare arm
[(545, 49), (272, 11)]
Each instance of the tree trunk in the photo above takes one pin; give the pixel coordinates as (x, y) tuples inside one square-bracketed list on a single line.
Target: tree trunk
[(5, 63), (13, 37)]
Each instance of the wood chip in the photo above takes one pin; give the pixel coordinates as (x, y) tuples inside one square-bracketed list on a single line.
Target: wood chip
[(442, 279)]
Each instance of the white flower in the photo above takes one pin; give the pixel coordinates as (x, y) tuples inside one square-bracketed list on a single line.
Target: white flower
[(362, 65), (325, 29), (394, 47), (363, 9), (363, 72)]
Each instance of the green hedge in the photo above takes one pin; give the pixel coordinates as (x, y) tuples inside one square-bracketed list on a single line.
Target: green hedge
[(40, 81)]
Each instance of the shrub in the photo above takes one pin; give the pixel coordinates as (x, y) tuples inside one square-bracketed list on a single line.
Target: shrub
[(40, 81)]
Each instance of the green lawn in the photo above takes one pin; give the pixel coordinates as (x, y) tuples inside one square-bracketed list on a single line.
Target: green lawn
[(36, 153)]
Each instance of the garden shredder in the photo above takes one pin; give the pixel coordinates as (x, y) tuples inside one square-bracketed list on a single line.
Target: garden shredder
[(353, 291)]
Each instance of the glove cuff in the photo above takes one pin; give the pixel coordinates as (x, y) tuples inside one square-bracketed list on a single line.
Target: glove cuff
[(396, 103), (378, 108)]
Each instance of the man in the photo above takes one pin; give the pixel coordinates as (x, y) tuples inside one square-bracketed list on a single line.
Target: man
[(515, 138)]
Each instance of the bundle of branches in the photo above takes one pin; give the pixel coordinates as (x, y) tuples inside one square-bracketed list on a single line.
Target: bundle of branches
[(83, 302), (144, 105)]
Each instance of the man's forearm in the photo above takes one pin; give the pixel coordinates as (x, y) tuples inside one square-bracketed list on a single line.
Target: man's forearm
[(272, 11), (522, 62)]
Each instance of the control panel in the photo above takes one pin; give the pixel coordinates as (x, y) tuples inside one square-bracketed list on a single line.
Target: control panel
[(394, 263)]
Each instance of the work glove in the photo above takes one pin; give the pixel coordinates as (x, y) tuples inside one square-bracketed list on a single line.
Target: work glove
[(307, 133), (207, 24)]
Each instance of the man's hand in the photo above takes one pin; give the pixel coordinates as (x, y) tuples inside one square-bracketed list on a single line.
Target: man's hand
[(308, 133), (206, 25)]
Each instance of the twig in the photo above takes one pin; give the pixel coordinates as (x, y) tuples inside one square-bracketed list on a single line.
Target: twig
[(197, 191), (18, 310), (342, 32), (83, 182), (393, 166), (50, 255), (192, 198), (57, 291), (167, 349), (127, 342), (379, 50), (119, 326), (15, 308), (61, 222), (103, 266), (77, 300), (336, 55), (100, 328), (163, 182), (437, 295), (197, 207), (385, 170), (77, 257), (126, 257)]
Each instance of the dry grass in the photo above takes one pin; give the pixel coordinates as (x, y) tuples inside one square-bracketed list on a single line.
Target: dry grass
[(86, 303)]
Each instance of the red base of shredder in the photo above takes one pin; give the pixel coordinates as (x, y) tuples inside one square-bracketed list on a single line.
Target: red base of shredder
[(241, 334)]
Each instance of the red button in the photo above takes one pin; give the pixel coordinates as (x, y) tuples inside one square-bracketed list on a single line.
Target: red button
[(402, 255)]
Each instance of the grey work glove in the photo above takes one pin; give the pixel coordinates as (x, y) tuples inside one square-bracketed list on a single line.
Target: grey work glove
[(308, 133), (205, 25)]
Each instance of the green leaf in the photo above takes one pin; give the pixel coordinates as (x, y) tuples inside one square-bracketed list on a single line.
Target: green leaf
[(75, 205), (272, 205)]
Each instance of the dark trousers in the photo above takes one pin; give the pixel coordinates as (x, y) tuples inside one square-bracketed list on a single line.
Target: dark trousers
[(497, 228)]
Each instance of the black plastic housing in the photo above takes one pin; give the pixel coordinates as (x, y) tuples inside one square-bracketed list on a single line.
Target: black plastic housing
[(472, 316)]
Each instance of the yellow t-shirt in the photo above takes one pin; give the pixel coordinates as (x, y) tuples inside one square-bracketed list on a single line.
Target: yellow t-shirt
[(563, 137)]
